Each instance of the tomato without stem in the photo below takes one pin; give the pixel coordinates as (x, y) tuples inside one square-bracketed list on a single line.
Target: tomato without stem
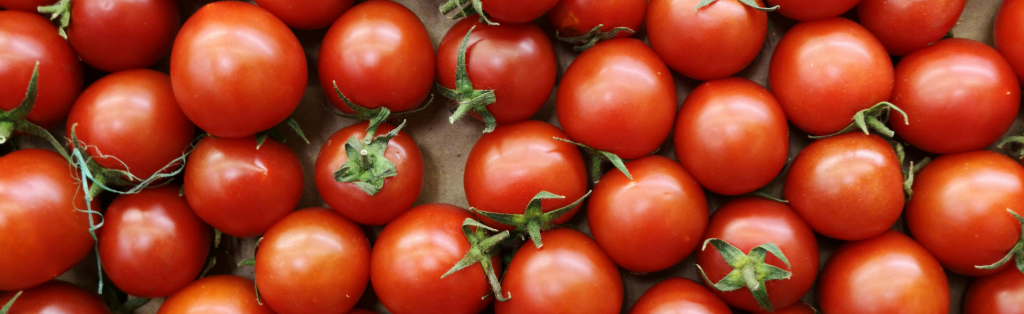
[(56, 297), (221, 293), (1009, 26), (799, 308), (808, 10), (1001, 293), (679, 295), (578, 17), (120, 35), (25, 5), (906, 26), (516, 11), (306, 14)]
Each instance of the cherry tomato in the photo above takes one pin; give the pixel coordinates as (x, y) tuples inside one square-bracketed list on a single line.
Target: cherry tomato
[(361, 311), (847, 187), (516, 11), (306, 14), (1002, 293), (121, 35), (679, 295), (380, 55), (25, 5), (27, 38), (889, 273), (651, 222), (809, 10), (618, 97), (960, 95), (1008, 27), (823, 72), (412, 253), (55, 297), (583, 280), (798, 308), (906, 26), (41, 232), (218, 294), (732, 136), (313, 261), (577, 17), (236, 69), (712, 42), (240, 189)]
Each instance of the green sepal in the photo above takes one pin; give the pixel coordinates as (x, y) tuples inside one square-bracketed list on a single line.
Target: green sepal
[(7, 307), (749, 3), (873, 118), (910, 170), (749, 270), (482, 247), (1016, 253), (62, 10), (1018, 142), (466, 98), (16, 119), (765, 193), (534, 219), (367, 167), (597, 159), (465, 9), (273, 133), (591, 38)]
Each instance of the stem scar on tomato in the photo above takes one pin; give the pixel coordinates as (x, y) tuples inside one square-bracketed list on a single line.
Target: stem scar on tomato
[(7, 307), (594, 36), (597, 159), (749, 3), (465, 97), (1017, 252), (481, 249), (749, 270), (534, 220), (465, 9), (15, 120)]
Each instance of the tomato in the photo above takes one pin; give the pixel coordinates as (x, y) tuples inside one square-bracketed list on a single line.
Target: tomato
[(578, 17), (732, 136), (1002, 293), (679, 295), (306, 14), (380, 55), (906, 26), (313, 261), (515, 11), (823, 72), (583, 280), (27, 38), (220, 294), (960, 95), (361, 311), (798, 308), (651, 222), (56, 297), (709, 43), (121, 35), (889, 273), (240, 189), (236, 69), (41, 232), (25, 5), (414, 251), (1008, 27), (847, 187), (618, 97), (808, 10)]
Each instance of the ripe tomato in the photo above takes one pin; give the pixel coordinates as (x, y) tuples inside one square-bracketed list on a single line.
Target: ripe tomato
[(220, 293), (889, 273), (306, 14), (414, 251), (583, 280), (41, 232), (618, 97), (361, 311), (25, 5), (1002, 293), (27, 38), (240, 189), (906, 26), (1008, 27), (380, 55), (798, 308), (847, 187), (121, 35), (515, 11), (808, 10), (236, 69), (56, 297), (732, 136), (960, 95), (651, 222), (572, 18), (679, 295), (823, 72), (313, 261)]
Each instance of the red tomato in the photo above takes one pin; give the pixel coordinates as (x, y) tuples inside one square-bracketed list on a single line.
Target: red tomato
[(306, 14), (56, 297), (152, 244), (958, 211), (121, 35), (679, 295), (847, 187), (1009, 26), (798, 308), (808, 10), (218, 294), (26, 38), (516, 11), (651, 222), (906, 26), (712, 42), (583, 280), (823, 72), (732, 136), (25, 5), (41, 232), (618, 97), (1002, 293), (889, 273), (361, 311), (577, 17), (313, 261), (960, 95), (412, 253), (236, 69), (380, 55), (239, 189)]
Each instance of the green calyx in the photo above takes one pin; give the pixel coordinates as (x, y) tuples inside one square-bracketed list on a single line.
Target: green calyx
[(594, 36), (16, 119), (909, 171), (62, 10), (482, 247), (367, 167), (597, 159), (749, 3), (374, 116), (1016, 253), (465, 97), (7, 307), (873, 118), (273, 133), (764, 192), (465, 9), (1018, 146), (534, 220), (749, 270)]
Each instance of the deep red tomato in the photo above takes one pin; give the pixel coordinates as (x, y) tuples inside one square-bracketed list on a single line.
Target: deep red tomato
[(732, 136), (361, 311), (313, 261), (679, 295), (306, 14), (1002, 293), (1009, 26), (823, 72), (41, 232), (960, 95), (712, 42), (847, 187), (25, 5), (56, 297), (380, 55), (906, 26), (889, 273), (412, 253), (808, 10), (618, 97), (239, 189), (120, 35), (583, 280), (651, 222), (236, 69), (218, 294), (958, 211), (152, 244), (26, 38), (798, 308), (577, 17), (516, 11)]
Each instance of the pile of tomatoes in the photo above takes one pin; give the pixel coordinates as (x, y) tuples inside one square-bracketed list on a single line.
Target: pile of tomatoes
[(155, 167)]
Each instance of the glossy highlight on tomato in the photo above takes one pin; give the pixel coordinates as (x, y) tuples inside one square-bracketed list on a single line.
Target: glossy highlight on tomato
[(306, 14), (56, 297), (121, 35), (810, 10), (1009, 26), (906, 26), (1001, 293), (577, 17), (679, 295), (225, 293)]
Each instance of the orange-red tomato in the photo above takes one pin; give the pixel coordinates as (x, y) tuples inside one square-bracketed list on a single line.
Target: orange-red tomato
[(218, 294), (679, 295), (56, 297), (1001, 293), (577, 17), (1009, 26)]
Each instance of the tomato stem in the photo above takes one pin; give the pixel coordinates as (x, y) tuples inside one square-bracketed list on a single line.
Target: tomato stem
[(6, 128), (534, 219), (465, 9), (749, 270), (1016, 253), (17, 118), (597, 159), (61, 9), (873, 118), (367, 167), (481, 249), (7, 307), (591, 38), (464, 96)]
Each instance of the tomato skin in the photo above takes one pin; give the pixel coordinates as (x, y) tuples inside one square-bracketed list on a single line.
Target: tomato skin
[(24, 39), (889, 273), (508, 167), (1001, 293), (121, 35), (709, 43), (798, 308), (618, 97), (224, 294), (679, 295), (41, 232), (31, 6), (234, 85), (810, 10), (584, 280), (906, 26), (847, 187), (577, 17), (241, 190), (732, 135), (56, 297), (959, 94), (823, 72), (373, 48), (306, 14), (651, 222), (1009, 25), (412, 253), (516, 11)]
